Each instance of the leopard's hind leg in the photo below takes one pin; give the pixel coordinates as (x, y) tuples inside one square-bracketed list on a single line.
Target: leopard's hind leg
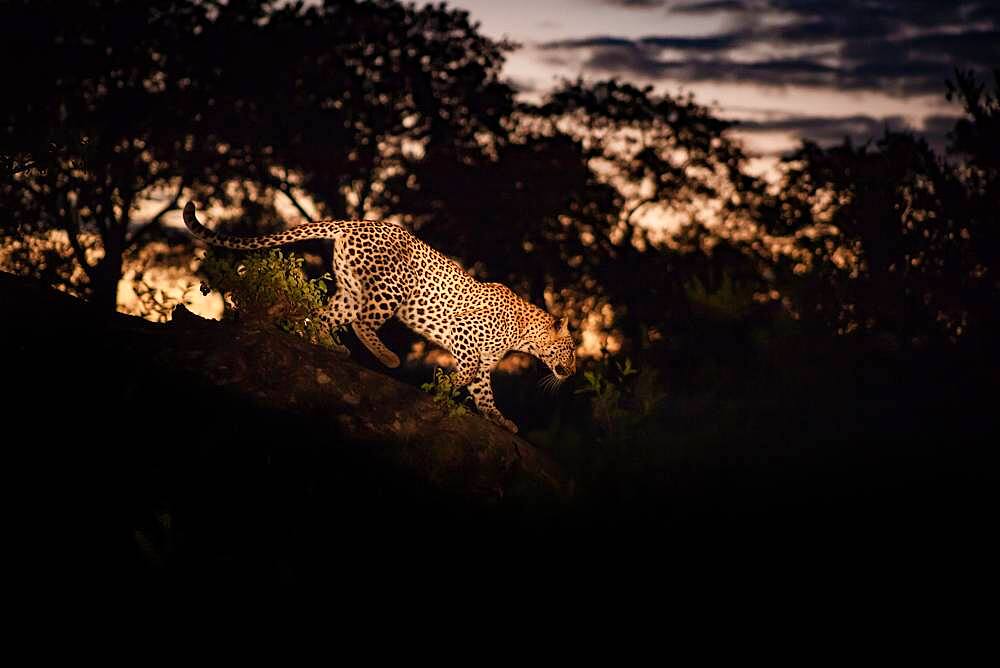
[(377, 292), (370, 338), (341, 309), (378, 307), (344, 307)]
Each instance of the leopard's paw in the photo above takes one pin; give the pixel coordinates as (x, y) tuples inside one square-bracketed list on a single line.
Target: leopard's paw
[(390, 359), (506, 424)]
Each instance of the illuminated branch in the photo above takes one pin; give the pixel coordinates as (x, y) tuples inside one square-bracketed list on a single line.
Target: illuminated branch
[(635, 209), (286, 189), (17, 169), (71, 224), (154, 222)]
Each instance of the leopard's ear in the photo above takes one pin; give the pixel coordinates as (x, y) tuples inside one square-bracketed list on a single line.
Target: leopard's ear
[(561, 326)]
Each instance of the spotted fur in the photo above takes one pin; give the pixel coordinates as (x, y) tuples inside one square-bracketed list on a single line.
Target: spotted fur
[(382, 270)]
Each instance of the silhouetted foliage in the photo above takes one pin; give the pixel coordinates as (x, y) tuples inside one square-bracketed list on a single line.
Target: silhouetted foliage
[(978, 135), (116, 100), (891, 237)]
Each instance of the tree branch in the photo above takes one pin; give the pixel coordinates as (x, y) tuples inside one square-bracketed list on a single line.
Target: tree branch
[(639, 205), (154, 223), (103, 224), (71, 224), (284, 187), (23, 167), (121, 228)]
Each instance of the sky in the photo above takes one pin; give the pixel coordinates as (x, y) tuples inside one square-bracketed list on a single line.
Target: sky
[(786, 69)]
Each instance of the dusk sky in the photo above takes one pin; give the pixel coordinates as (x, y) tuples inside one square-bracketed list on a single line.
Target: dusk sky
[(820, 69)]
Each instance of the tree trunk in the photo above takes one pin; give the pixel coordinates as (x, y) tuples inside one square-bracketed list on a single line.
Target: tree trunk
[(109, 269), (202, 373), (458, 454), (104, 291)]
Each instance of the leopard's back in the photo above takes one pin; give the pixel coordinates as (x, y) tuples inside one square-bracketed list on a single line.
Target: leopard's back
[(441, 290)]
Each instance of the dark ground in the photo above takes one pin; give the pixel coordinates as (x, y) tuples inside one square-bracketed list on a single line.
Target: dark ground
[(124, 473)]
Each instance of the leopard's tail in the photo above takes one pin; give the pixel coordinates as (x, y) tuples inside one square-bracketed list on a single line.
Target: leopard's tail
[(328, 229)]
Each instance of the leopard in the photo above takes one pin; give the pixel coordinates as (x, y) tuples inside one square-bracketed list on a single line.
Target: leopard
[(382, 270)]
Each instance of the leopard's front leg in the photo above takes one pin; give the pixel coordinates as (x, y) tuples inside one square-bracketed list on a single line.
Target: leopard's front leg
[(481, 389), (475, 364), (476, 376)]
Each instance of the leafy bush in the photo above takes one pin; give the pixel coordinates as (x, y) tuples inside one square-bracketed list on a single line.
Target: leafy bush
[(270, 288), (445, 394), (729, 300), (622, 397)]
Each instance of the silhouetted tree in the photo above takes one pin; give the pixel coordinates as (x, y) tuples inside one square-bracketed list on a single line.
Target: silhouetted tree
[(666, 156), (117, 100), (976, 138), (352, 88), (978, 135), (101, 107), (890, 237)]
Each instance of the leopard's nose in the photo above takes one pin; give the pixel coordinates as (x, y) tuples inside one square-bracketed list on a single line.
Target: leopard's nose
[(560, 370)]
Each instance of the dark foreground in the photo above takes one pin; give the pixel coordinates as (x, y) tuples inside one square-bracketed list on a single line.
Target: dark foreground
[(172, 478)]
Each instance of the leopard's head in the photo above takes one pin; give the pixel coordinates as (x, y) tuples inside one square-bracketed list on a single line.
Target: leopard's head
[(555, 347)]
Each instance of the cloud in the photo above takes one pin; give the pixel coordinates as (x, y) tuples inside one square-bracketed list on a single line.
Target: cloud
[(634, 4), (712, 43), (585, 42), (523, 85), (926, 13), (848, 28), (711, 7), (828, 129), (940, 124), (975, 47), (900, 47), (986, 11), (640, 58), (860, 128), (628, 60)]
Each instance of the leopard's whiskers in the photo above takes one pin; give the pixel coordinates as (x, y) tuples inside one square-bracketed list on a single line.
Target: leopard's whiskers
[(550, 383)]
